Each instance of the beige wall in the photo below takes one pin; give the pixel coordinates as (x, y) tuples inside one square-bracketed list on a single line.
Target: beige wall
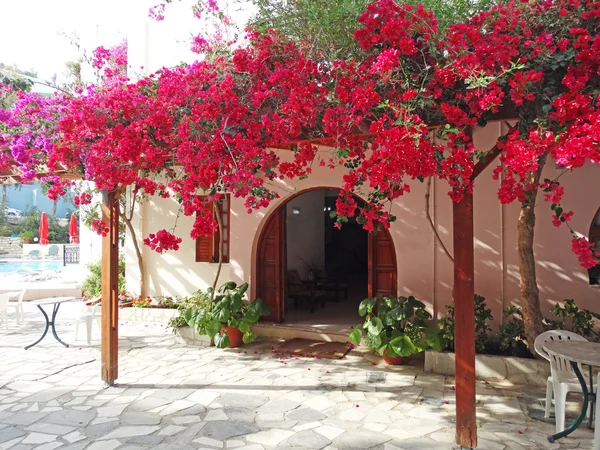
[(423, 269)]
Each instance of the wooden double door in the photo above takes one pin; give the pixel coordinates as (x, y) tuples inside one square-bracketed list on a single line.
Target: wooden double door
[(272, 262)]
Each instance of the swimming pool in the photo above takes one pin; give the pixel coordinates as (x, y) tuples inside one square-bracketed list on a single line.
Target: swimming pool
[(16, 266)]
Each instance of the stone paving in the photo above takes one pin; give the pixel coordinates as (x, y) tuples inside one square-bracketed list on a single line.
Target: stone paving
[(171, 396)]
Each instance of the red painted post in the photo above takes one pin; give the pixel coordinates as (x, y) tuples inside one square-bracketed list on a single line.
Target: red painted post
[(464, 314), (110, 289)]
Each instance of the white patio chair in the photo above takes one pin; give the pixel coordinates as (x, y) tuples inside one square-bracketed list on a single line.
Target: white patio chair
[(562, 379), (86, 315), (597, 420), (4, 309), (18, 305)]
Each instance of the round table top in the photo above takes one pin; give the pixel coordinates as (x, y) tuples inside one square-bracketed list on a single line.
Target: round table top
[(577, 351), (52, 300)]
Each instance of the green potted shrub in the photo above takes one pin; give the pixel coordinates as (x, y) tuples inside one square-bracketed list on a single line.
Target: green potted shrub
[(26, 236), (228, 319), (394, 327)]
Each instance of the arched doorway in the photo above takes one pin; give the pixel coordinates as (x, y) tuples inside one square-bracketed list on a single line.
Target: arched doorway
[(272, 254)]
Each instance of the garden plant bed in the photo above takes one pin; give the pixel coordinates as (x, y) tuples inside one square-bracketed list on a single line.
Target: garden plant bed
[(154, 315), (493, 368)]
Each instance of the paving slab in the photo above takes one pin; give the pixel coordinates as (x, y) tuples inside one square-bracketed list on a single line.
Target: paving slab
[(170, 396)]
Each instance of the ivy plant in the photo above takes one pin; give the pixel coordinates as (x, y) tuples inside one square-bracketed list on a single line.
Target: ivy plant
[(230, 308), (393, 326)]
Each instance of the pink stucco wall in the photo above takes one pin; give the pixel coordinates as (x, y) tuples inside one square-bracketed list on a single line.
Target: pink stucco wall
[(423, 269)]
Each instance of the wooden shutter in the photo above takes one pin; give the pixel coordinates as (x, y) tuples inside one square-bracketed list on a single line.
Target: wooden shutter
[(207, 248)]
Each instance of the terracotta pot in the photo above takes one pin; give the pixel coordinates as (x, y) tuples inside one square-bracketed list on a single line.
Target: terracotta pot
[(235, 336), (395, 361), (126, 305), (26, 241)]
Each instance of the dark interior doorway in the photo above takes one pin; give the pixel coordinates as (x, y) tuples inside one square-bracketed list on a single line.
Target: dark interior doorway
[(336, 259), (299, 247)]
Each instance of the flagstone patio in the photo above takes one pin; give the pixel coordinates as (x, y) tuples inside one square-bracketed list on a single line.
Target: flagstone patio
[(170, 396)]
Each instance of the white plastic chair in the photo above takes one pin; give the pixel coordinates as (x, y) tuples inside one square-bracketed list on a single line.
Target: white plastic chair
[(4, 309), (562, 379), (18, 305), (87, 315), (597, 420)]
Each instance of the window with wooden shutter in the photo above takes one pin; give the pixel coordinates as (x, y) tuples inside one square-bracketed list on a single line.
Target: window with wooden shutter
[(207, 248)]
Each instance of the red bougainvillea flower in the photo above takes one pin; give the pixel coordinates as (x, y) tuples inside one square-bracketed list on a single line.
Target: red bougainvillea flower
[(162, 241)]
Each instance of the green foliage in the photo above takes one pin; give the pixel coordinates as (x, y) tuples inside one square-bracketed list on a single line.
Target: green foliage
[(328, 26), (571, 318), (510, 338), (228, 307), (511, 334), (393, 326), (57, 233), (92, 286), (445, 326), (26, 235), (198, 299), (18, 80)]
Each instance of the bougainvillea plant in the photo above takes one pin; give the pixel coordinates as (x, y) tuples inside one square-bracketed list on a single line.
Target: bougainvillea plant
[(406, 111)]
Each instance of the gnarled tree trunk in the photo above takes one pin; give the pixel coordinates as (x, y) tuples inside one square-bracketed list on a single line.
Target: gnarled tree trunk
[(217, 212), (138, 253), (530, 294)]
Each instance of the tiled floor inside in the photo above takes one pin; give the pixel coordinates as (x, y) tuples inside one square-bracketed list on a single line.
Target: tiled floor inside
[(171, 396)]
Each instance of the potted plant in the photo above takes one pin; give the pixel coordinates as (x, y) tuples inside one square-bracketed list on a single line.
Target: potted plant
[(26, 236), (227, 319), (393, 327)]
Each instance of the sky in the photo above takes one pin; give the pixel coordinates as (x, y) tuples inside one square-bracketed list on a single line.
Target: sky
[(32, 32)]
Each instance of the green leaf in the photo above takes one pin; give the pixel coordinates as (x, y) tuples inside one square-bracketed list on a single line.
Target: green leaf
[(187, 315), (222, 341), (223, 315), (403, 346), (375, 326), (248, 337), (242, 288), (263, 308), (213, 327), (356, 335), (244, 326), (435, 339), (366, 306), (251, 315), (228, 286)]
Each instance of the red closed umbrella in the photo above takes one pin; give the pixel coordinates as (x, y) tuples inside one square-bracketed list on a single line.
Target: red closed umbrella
[(73, 234), (44, 229)]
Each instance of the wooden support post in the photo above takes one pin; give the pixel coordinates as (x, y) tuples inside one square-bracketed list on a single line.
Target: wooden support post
[(464, 327), (110, 289)]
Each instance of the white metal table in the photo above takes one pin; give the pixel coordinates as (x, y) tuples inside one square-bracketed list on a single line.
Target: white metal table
[(577, 352), (56, 301)]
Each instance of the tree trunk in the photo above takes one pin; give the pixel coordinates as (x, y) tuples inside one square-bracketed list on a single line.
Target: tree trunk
[(217, 211), (138, 253), (530, 294), (54, 207)]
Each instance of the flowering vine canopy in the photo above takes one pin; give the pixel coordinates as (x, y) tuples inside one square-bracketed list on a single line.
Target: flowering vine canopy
[(405, 111)]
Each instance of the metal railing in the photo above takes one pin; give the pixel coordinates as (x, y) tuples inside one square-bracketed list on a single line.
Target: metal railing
[(71, 254)]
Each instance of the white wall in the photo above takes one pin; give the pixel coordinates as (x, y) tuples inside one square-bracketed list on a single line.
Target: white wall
[(306, 232), (90, 243), (170, 273)]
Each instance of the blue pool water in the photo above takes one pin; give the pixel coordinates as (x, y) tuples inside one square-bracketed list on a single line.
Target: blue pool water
[(16, 266)]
